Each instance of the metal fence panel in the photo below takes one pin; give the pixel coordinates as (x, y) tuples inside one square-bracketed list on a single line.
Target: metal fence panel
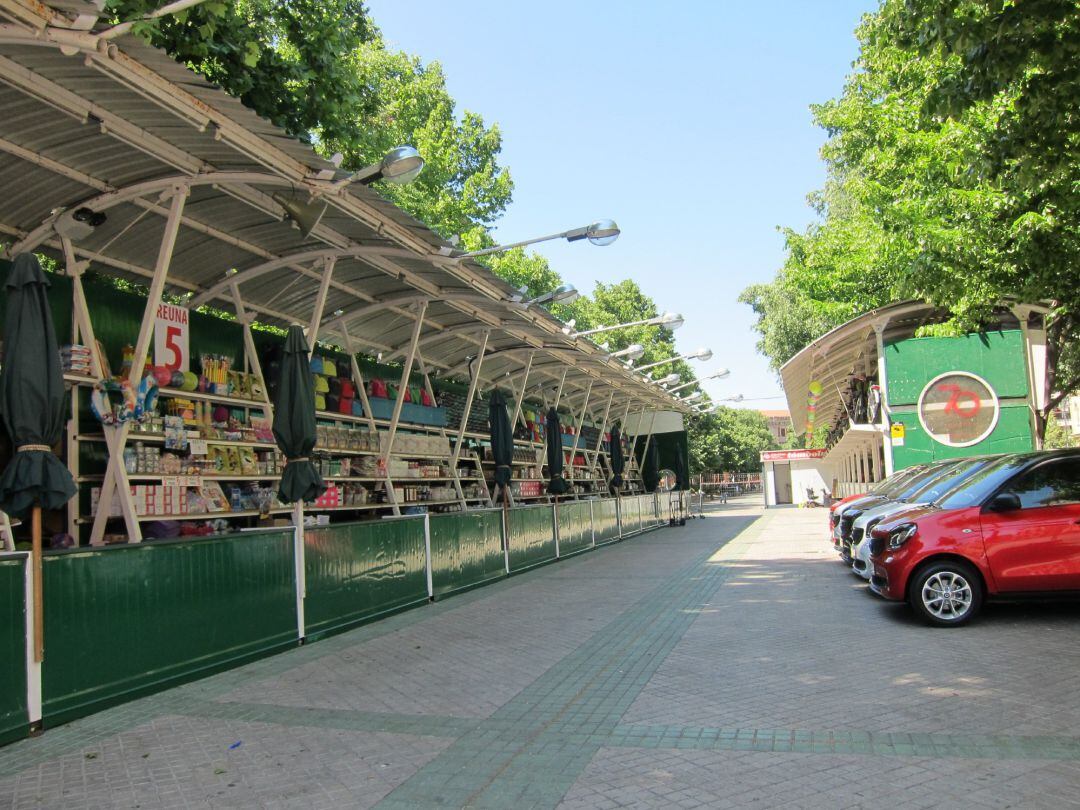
[(606, 520), (14, 717), (466, 550), (131, 620), (530, 536), (358, 571), (574, 527)]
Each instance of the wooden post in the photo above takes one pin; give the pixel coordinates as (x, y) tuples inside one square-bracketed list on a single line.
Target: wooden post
[(39, 603)]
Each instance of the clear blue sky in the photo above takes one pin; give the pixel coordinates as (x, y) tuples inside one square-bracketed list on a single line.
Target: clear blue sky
[(686, 123)]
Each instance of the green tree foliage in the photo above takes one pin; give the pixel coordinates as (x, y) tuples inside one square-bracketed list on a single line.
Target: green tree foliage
[(729, 440), (952, 174)]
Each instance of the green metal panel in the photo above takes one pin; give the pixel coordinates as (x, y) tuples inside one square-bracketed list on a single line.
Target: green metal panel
[(575, 528), (606, 520), (14, 718), (1012, 435), (530, 536), (997, 357), (631, 514), (358, 571), (126, 621), (466, 550)]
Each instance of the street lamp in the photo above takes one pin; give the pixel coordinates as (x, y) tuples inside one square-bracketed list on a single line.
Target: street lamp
[(602, 232), (631, 352), (700, 354), (670, 379), (669, 320), (399, 165), (564, 294), (692, 396), (716, 375)]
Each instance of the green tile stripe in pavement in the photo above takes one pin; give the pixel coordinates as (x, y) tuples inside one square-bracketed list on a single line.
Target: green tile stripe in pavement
[(788, 741), (534, 747)]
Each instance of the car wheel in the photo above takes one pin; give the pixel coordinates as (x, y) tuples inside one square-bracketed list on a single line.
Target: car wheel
[(947, 593)]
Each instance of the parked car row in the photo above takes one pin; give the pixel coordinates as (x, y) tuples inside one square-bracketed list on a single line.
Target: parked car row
[(946, 536)]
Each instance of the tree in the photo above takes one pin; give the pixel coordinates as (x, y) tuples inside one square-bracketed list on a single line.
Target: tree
[(729, 440), (939, 186)]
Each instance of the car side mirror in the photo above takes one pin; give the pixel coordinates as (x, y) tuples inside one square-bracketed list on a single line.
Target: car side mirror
[(1004, 502)]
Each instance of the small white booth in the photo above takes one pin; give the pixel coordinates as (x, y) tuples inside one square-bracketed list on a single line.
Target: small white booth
[(789, 476)]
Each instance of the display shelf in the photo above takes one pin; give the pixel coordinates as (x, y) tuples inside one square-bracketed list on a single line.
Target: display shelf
[(221, 399), (158, 438), (278, 510)]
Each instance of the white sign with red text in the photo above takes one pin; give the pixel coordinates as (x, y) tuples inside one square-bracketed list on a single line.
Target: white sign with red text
[(171, 337)]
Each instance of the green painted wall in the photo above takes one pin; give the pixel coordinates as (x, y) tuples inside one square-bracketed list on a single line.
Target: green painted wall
[(14, 719), (466, 551), (1012, 435), (997, 357), (126, 621), (359, 571), (575, 528), (531, 536)]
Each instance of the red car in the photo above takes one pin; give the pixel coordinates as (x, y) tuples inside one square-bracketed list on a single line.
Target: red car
[(1013, 529)]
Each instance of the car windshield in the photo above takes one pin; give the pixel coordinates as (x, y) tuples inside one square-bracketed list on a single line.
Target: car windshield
[(881, 487), (896, 482), (945, 484), (979, 486), (913, 485)]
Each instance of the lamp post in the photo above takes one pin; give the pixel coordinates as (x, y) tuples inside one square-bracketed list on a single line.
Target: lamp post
[(602, 232), (669, 320), (631, 352), (716, 375), (399, 165), (700, 354)]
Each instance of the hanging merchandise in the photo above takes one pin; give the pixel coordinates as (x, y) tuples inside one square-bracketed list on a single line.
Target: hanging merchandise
[(378, 389), (146, 398), (113, 402)]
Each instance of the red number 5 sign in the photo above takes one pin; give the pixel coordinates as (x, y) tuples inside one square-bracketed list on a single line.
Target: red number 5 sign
[(171, 338)]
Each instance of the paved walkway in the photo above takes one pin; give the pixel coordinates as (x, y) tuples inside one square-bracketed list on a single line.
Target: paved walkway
[(730, 663)]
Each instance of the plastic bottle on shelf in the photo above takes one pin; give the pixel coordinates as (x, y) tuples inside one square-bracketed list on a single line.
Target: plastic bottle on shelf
[(234, 499)]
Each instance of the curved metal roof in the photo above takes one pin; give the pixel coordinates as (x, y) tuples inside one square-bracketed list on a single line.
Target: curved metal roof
[(118, 127)]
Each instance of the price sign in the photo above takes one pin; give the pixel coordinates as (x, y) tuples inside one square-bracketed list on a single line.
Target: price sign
[(171, 337), (197, 447), (896, 432)]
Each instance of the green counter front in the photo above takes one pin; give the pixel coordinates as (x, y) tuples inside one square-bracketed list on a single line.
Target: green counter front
[(574, 523), (606, 520), (126, 621), (530, 536), (466, 550), (14, 718), (356, 572)]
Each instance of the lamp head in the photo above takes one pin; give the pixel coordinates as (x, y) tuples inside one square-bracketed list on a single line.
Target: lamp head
[(719, 374), (632, 352), (701, 354), (602, 232), (670, 379), (670, 320), (565, 294), (693, 396), (401, 165)]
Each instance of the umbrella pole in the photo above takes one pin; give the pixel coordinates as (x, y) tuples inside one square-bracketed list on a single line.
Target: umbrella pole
[(39, 605)]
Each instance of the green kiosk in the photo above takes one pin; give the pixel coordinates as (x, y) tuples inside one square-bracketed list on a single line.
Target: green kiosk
[(886, 393)]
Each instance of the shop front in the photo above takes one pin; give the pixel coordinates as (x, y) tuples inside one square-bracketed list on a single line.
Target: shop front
[(186, 236)]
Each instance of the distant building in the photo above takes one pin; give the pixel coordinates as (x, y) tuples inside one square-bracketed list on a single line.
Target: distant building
[(779, 425)]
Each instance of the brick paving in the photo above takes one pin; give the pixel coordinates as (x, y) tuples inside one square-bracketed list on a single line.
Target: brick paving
[(730, 663)]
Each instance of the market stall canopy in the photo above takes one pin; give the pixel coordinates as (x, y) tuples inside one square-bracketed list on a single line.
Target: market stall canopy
[(851, 348), (99, 137)]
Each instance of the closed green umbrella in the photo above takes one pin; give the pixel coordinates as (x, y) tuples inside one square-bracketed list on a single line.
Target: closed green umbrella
[(650, 467), (618, 463), (556, 483), (32, 395), (32, 399), (502, 440), (294, 421)]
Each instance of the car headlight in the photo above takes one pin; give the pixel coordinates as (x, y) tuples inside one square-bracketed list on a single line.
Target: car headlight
[(901, 534)]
